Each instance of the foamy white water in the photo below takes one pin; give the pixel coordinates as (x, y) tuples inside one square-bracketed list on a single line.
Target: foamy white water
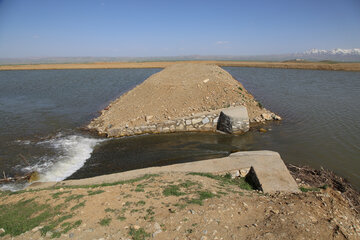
[(74, 151)]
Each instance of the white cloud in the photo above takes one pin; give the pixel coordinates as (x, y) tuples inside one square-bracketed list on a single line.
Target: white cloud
[(222, 42)]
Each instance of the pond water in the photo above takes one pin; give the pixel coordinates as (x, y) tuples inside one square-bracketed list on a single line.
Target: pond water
[(41, 112)]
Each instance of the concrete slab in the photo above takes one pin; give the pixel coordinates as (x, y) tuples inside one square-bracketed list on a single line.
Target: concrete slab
[(269, 168)]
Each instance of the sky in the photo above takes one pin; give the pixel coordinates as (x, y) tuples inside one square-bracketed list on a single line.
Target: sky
[(119, 28)]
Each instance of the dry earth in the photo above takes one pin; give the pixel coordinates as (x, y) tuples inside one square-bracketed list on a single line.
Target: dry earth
[(104, 65), (179, 206), (176, 92)]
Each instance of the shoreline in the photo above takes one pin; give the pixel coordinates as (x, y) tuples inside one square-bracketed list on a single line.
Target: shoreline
[(159, 64)]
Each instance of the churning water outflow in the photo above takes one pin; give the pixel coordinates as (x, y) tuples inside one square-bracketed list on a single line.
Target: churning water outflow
[(66, 155), (41, 112)]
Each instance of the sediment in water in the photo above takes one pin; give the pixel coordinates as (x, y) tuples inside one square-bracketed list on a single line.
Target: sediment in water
[(182, 97)]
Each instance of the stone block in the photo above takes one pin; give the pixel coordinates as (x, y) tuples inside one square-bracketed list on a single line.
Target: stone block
[(233, 119)]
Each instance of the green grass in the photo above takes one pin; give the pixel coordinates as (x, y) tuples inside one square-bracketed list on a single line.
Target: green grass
[(53, 224), (260, 105), (172, 190), (111, 210), (149, 213), (121, 218), (140, 188), (139, 234), (68, 226), (140, 203), (58, 194), (202, 195), (79, 205), (226, 179), (144, 177), (90, 192), (105, 221), (188, 184), (304, 189), (74, 197), (240, 88), (23, 216)]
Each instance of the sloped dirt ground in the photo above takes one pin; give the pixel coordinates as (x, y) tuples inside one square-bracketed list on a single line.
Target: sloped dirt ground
[(181, 206)]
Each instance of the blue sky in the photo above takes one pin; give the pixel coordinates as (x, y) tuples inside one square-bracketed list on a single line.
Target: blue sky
[(69, 28)]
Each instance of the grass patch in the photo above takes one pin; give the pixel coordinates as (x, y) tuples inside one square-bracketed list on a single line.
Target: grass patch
[(74, 197), (23, 216), (188, 184), (180, 205), (260, 105), (149, 213), (240, 88), (58, 194), (52, 225), (202, 195), (226, 179), (105, 221), (304, 189), (139, 234), (90, 192), (111, 210), (172, 190), (140, 203), (79, 205), (121, 218), (140, 188), (68, 226)]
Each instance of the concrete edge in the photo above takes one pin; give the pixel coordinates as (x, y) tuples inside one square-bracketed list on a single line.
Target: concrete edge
[(235, 161)]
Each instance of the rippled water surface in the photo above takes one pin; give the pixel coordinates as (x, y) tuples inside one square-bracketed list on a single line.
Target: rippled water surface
[(41, 111)]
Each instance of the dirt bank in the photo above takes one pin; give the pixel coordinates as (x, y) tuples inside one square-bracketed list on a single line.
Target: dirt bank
[(163, 64), (176, 206), (178, 91)]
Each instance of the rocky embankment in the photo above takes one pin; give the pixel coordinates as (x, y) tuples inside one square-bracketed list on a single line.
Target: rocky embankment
[(182, 97)]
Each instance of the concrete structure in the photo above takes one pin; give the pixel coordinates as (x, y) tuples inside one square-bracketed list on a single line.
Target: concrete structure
[(233, 120), (270, 171)]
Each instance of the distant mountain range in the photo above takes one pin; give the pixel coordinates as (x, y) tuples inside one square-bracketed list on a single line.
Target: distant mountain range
[(336, 51), (338, 55)]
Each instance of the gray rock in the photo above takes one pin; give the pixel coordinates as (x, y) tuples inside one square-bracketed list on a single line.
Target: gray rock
[(188, 122), (71, 235), (224, 123), (235, 174), (205, 120), (157, 226), (196, 120), (266, 116)]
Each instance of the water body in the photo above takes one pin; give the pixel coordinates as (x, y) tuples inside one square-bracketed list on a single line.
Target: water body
[(41, 112)]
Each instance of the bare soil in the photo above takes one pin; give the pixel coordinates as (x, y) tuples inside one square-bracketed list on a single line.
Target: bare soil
[(105, 65), (176, 92), (185, 206)]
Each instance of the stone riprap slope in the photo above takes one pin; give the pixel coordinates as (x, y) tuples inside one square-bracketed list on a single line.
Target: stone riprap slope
[(179, 92)]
